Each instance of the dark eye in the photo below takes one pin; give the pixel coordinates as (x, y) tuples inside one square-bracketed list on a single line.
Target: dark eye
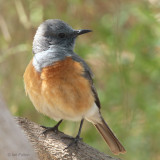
[(61, 35)]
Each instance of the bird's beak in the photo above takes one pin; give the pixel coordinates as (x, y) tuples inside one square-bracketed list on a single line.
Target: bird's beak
[(81, 31)]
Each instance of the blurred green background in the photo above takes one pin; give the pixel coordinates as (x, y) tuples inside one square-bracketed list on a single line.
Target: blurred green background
[(123, 52)]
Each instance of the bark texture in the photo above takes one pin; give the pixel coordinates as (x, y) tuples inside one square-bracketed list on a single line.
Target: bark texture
[(26, 140), (52, 145)]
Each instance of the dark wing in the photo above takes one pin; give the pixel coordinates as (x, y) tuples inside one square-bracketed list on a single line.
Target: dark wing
[(89, 75)]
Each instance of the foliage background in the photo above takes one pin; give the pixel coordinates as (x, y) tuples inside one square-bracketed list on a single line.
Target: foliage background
[(123, 52)]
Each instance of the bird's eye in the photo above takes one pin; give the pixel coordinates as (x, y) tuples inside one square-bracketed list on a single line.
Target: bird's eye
[(61, 35)]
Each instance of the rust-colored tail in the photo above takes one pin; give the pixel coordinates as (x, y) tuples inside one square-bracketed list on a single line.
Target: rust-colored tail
[(113, 143)]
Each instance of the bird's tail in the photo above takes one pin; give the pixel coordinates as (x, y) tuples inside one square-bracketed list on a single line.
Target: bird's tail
[(113, 143)]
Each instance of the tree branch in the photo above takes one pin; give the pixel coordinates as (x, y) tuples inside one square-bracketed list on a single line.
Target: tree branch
[(52, 146)]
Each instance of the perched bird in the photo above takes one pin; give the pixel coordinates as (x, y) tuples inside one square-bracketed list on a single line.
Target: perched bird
[(59, 82)]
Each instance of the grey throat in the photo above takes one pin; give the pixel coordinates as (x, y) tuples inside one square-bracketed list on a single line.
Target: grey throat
[(50, 56)]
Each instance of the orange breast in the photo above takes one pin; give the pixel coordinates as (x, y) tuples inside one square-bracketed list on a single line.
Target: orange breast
[(59, 91)]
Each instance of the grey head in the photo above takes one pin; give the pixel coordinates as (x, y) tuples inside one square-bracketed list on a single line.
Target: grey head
[(53, 41), (55, 33)]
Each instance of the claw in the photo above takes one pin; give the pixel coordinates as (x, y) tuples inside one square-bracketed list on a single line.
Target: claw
[(48, 129), (53, 129), (74, 141)]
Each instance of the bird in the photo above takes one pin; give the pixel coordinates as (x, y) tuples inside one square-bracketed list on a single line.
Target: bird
[(60, 84)]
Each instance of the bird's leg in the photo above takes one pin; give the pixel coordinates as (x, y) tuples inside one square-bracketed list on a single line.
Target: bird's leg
[(77, 138), (54, 128), (79, 131)]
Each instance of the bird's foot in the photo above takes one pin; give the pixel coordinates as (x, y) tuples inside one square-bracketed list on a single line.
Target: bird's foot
[(53, 129), (74, 141), (50, 129)]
